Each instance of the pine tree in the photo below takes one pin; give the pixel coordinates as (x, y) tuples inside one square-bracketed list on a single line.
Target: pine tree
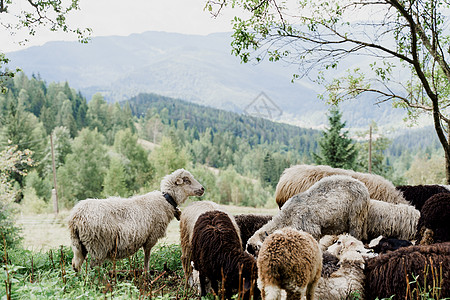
[(336, 148)]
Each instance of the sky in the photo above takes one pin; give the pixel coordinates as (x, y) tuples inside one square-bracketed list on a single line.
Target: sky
[(114, 17)]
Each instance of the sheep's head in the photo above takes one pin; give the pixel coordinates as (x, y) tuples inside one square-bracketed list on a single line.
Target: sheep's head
[(255, 242), (180, 185), (349, 248)]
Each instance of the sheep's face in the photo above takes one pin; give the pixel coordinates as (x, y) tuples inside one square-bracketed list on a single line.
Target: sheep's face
[(183, 180), (350, 248), (254, 244)]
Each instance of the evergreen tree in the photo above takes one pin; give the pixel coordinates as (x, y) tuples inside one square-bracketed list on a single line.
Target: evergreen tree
[(336, 149)]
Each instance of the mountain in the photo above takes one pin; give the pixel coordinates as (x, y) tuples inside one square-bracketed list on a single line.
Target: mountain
[(196, 68)]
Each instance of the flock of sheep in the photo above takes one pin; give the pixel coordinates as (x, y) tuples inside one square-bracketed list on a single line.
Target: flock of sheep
[(337, 232)]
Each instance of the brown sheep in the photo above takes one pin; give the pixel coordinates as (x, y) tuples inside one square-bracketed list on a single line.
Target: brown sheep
[(289, 260), (388, 274)]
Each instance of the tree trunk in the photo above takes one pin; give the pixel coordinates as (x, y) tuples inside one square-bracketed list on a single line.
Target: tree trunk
[(447, 157)]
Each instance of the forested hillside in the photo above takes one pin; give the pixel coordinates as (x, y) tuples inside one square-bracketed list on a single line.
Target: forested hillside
[(104, 149)]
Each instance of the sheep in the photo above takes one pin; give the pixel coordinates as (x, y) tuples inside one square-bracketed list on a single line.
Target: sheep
[(389, 274), (433, 225), (115, 228), (392, 220), (299, 178), (187, 222), (333, 205), (383, 245), (417, 195), (347, 275), (217, 254), (249, 224), (289, 260)]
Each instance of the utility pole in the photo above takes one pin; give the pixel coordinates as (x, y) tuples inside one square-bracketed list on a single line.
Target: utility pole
[(55, 198), (370, 149)]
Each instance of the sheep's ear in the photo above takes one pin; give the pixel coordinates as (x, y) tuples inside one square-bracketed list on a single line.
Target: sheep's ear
[(179, 181)]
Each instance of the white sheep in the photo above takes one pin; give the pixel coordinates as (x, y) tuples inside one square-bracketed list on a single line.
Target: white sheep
[(289, 260), (333, 205), (349, 277), (299, 178), (187, 222), (115, 228), (392, 220)]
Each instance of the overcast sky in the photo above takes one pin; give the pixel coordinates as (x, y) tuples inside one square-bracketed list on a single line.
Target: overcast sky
[(114, 17)]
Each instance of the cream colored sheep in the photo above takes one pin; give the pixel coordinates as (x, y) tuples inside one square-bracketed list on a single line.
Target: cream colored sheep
[(289, 260), (115, 228), (392, 220), (299, 178), (187, 221), (333, 205), (349, 277)]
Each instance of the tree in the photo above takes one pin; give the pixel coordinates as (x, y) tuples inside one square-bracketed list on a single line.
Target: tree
[(137, 167), (114, 184), (400, 37), (27, 16), (336, 148), (82, 175)]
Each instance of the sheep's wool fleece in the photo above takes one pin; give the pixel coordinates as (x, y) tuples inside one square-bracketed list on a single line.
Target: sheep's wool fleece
[(101, 223), (333, 205), (300, 178), (289, 259), (392, 220)]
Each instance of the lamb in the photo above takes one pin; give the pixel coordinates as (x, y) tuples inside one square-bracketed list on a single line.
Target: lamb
[(389, 274), (249, 224), (383, 245), (187, 222), (433, 225), (349, 276), (115, 228), (392, 220), (290, 260), (299, 178), (217, 253), (333, 205), (417, 195)]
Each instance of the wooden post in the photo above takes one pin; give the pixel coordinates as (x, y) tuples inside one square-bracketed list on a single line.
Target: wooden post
[(370, 149), (55, 198)]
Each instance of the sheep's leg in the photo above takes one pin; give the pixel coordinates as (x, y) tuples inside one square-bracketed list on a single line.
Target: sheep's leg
[(78, 258), (295, 295), (310, 289), (202, 285), (358, 220), (147, 250)]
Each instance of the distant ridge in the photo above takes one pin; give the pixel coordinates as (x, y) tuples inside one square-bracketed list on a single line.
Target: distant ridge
[(196, 68)]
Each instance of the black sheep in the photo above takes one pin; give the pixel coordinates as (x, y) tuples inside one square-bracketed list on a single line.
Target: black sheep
[(390, 244), (217, 253), (417, 195), (249, 224), (435, 216)]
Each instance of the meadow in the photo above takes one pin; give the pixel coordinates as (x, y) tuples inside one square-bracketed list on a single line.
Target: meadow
[(41, 268)]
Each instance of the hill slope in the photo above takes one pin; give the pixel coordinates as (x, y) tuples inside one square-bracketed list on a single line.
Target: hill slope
[(199, 69)]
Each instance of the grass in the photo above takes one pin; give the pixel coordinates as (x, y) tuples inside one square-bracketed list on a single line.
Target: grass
[(42, 269), (49, 275)]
